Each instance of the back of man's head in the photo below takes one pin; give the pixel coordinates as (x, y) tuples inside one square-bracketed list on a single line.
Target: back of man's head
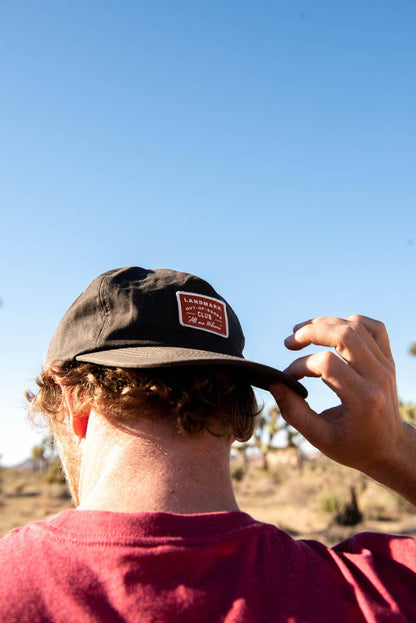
[(154, 342)]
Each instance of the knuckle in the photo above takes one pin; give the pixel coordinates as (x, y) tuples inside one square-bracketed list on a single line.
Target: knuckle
[(357, 326), (319, 319), (381, 327), (347, 335), (359, 330), (389, 381), (358, 318), (328, 359)]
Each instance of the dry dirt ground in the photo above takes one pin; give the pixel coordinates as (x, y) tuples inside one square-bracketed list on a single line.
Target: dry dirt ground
[(304, 503)]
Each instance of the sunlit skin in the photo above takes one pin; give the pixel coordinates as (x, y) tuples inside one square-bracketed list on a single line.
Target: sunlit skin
[(146, 468)]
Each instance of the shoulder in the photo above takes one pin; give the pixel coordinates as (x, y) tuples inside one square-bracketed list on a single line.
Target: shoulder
[(34, 556), (23, 549), (384, 565), (380, 548), (20, 555)]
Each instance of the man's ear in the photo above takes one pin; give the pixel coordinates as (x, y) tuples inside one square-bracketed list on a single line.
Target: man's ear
[(78, 419)]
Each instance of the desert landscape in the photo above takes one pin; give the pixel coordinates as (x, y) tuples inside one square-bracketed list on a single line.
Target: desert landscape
[(308, 500)]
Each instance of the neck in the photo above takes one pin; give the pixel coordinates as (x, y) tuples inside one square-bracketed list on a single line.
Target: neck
[(154, 469)]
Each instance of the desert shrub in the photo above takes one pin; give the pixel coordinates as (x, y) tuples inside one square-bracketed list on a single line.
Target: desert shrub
[(238, 472), (54, 473), (18, 487), (329, 503)]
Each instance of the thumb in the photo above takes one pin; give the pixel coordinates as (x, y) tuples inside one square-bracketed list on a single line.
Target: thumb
[(296, 412)]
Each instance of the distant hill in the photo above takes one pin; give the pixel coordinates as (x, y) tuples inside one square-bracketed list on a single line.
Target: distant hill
[(27, 464)]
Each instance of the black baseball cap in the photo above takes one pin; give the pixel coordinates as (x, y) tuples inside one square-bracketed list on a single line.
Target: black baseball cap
[(139, 318)]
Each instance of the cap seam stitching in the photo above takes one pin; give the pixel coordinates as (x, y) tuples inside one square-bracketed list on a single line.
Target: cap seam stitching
[(104, 310)]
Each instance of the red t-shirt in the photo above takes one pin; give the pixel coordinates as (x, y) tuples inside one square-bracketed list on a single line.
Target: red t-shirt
[(89, 566)]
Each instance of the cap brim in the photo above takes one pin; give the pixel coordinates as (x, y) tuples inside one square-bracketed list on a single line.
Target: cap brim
[(257, 374)]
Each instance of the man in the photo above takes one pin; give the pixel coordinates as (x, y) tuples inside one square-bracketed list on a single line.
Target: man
[(145, 388)]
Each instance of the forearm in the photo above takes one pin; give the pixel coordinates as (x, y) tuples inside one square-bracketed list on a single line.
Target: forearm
[(397, 470)]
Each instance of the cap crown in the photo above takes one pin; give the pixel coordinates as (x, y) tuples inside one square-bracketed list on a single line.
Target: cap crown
[(133, 307)]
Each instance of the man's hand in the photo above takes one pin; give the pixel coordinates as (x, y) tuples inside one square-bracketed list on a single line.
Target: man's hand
[(365, 431)]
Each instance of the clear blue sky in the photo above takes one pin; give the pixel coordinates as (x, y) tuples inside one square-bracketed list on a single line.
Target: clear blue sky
[(267, 146)]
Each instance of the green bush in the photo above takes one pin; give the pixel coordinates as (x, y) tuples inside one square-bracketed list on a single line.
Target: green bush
[(329, 504), (55, 473)]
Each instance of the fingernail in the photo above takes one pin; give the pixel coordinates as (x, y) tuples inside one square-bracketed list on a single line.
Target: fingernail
[(300, 325)]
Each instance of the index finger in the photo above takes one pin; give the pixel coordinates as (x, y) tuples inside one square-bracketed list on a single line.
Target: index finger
[(373, 328)]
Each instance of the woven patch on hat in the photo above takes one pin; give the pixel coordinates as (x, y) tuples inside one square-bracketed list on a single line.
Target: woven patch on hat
[(202, 312)]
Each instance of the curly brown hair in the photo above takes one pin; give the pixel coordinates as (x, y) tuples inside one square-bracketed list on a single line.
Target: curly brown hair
[(198, 398)]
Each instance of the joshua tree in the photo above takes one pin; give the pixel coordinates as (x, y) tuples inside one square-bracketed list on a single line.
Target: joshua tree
[(267, 428), (43, 453)]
